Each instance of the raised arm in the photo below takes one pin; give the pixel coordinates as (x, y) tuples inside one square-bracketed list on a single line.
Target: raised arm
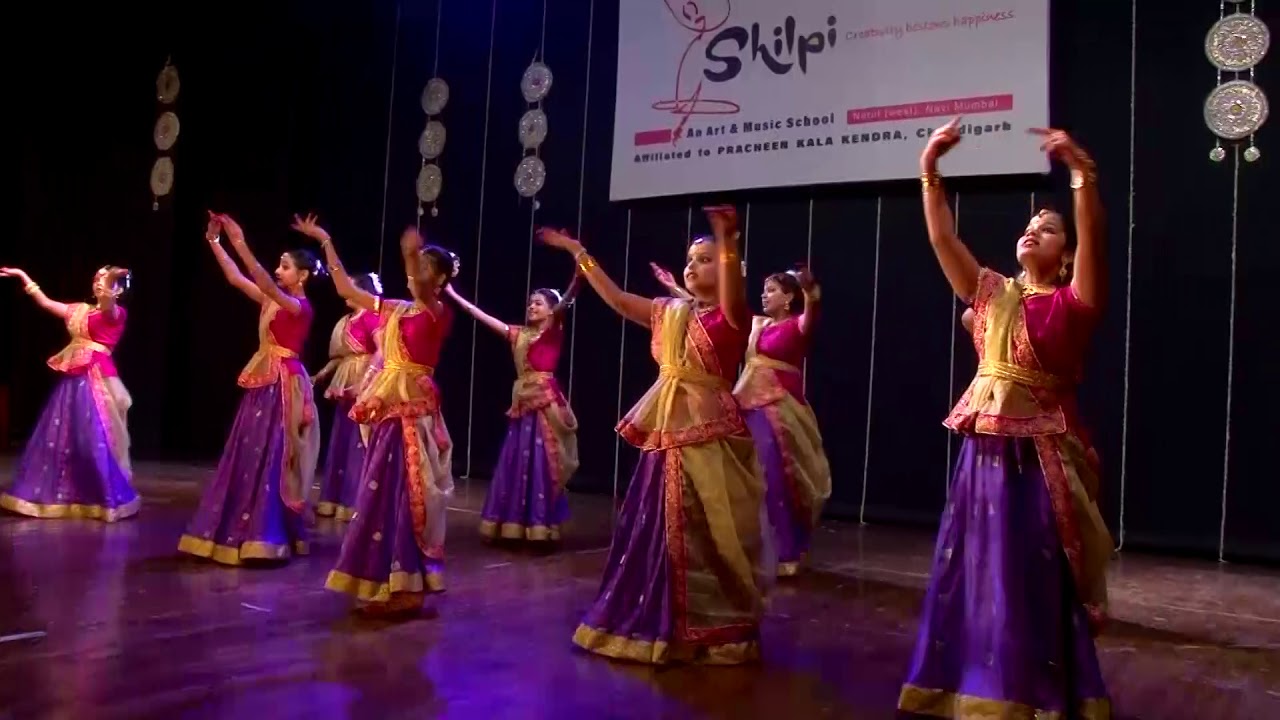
[(261, 278), (341, 280), (30, 287), (237, 280), (733, 293), (958, 264), (411, 244), (668, 281), (481, 316), (1090, 277), (812, 301), (633, 307), (570, 295)]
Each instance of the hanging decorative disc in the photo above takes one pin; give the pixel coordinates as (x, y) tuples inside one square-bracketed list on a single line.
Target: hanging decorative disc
[(429, 183), (1235, 109), (166, 131), (536, 82), (431, 141), (533, 128), (435, 96), (531, 175), (1237, 42), (168, 85), (162, 177)]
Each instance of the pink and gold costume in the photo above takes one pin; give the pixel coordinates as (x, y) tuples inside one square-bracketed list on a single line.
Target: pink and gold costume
[(526, 499), (797, 476), (393, 551), (351, 346), (76, 463), (256, 507)]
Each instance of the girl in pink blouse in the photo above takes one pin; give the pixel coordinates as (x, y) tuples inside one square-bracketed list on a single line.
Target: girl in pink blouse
[(526, 499), (770, 392), (351, 349), (76, 463), (256, 507)]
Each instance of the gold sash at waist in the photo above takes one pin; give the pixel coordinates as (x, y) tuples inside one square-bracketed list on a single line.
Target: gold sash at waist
[(1020, 375), (408, 367), (278, 351), (535, 375), (78, 344), (691, 375), (771, 363)]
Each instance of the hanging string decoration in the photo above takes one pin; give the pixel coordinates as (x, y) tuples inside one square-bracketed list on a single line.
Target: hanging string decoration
[(531, 174), (431, 144), (1236, 108), (165, 133)]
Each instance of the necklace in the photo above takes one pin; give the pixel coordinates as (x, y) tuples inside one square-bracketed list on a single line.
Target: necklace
[(1031, 289)]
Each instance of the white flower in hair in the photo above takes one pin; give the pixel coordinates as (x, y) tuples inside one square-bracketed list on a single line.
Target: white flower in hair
[(376, 282), (556, 294), (457, 263)]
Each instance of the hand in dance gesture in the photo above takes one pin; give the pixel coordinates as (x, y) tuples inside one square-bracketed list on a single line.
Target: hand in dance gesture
[(940, 143), (15, 273), (559, 239), (235, 233), (310, 227), (213, 229), (664, 277), (723, 219), (1059, 145), (804, 276)]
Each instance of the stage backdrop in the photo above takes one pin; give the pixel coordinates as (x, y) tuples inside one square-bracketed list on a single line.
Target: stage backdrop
[(301, 105), (732, 94)]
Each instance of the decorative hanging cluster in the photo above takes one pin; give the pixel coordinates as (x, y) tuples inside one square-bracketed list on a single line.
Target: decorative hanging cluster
[(165, 133), (1236, 109), (531, 174), (431, 144)]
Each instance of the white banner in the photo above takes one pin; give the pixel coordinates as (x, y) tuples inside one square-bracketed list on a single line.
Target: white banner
[(728, 94)]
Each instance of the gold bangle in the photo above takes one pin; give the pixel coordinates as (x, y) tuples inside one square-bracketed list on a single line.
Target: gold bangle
[(377, 304), (31, 288), (728, 257), (1080, 178), (930, 180), (586, 263), (814, 294)]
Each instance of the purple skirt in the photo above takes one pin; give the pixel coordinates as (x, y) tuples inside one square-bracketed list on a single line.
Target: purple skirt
[(634, 601), (67, 469), (791, 537), (342, 466), (1002, 633), (241, 514), (523, 501), (380, 556)]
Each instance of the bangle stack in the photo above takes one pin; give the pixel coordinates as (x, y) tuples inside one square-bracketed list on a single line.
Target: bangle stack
[(31, 288), (586, 263), (1086, 176), (930, 180)]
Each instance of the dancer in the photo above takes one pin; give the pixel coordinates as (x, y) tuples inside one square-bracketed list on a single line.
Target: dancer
[(76, 463), (393, 552), (685, 575), (351, 350), (256, 507), (526, 499), (771, 395), (1019, 571)]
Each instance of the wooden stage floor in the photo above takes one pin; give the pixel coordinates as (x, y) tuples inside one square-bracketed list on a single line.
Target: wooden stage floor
[(106, 621)]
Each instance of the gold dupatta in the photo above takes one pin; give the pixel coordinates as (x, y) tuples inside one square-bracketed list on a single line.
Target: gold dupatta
[(691, 401), (301, 431), (535, 391), (1012, 396)]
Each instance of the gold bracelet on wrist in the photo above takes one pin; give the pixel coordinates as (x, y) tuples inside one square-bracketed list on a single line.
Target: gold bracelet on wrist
[(814, 293), (1080, 178), (586, 263), (377, 304), (31, 288), (930, 180), (728, 257)]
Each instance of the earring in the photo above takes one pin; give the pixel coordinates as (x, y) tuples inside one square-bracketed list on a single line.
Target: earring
[(1062, 272)]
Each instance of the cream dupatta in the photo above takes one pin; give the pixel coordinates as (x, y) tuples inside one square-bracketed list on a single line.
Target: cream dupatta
[(535, 391), (111, 399)]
